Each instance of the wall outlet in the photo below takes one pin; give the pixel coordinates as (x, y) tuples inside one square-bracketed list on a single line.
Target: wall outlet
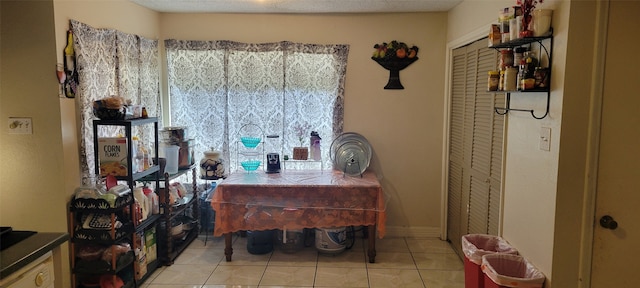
[(20, 125), (545, 139)]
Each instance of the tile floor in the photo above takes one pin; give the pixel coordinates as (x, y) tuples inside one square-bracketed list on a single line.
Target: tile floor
[(400, 262)]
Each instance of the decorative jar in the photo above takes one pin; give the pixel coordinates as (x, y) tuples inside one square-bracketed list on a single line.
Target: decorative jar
[(212, 166)]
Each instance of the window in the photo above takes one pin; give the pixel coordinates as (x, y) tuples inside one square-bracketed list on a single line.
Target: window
[(218, 87)]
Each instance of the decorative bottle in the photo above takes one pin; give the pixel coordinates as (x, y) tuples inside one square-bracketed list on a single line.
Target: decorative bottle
[(69, 54), (314, 143)]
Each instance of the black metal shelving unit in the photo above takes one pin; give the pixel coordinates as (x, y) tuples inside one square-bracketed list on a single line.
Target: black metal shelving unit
[(127, 233), (171, 247)]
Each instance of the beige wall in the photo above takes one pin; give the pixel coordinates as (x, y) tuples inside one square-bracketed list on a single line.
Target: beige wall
[(530, 173), (30, 170), (403, 126), (31, 174)]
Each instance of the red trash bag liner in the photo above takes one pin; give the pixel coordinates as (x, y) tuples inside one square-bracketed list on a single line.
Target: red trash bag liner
[(508, 270), (475, 246)]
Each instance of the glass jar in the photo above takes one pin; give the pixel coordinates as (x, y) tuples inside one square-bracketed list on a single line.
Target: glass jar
[(521, 77), (531, 62), (518, 55), (510, 79), (506, 58), (494, 79), (541, 77)]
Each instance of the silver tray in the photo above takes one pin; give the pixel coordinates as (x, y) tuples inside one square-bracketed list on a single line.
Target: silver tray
[(351, 153)]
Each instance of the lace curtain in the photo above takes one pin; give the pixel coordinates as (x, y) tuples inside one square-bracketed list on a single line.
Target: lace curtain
[(222, 90), (110, 62)]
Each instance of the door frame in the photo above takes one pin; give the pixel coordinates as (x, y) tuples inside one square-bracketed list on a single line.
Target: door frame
[(593, 145), (466, 39)]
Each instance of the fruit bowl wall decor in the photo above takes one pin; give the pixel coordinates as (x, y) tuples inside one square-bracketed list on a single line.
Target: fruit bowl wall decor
[(394, 56)]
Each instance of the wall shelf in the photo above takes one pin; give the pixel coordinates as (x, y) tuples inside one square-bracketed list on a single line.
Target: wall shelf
[(548, 52)]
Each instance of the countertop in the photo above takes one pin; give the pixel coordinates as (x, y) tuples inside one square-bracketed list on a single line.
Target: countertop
[(21, 254)]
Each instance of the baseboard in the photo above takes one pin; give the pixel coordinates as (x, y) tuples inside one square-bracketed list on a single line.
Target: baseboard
[(412, 232)]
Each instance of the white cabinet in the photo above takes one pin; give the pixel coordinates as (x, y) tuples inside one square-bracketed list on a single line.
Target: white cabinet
[(38, 274)]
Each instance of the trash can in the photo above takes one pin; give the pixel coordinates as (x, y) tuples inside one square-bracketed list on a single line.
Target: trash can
[(508, 270), (474, 247), (260, 242)]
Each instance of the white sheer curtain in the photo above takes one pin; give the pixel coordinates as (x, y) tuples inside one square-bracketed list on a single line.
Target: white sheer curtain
[(111, 62), (222, 90)]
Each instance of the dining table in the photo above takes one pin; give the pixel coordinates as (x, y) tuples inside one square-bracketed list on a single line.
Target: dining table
[(298, 199)]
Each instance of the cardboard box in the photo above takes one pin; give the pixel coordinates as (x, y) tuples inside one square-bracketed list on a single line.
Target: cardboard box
[(141, 256), (112, 154), (151, 246)]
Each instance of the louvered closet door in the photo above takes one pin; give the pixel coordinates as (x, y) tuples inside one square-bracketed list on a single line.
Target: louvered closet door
[(475, 146)]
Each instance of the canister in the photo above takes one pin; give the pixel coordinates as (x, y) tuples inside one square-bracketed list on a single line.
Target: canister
[(171, 153), (492, 82), (541, 22), (518, 54), (186, 153), (513, 32), (174, 135), (510, 79), (506, 58), (212, 166)]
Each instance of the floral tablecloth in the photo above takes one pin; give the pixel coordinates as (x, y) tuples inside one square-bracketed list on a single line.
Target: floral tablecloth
[(296, 199)]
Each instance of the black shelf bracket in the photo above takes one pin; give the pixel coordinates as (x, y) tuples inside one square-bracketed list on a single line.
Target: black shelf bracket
[(505, 110)]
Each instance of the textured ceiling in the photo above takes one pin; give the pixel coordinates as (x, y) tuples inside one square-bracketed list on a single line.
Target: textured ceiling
[(297, 6)]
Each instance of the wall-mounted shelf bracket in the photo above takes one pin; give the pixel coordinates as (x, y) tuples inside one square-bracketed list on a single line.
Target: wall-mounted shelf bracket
[(505, 110)]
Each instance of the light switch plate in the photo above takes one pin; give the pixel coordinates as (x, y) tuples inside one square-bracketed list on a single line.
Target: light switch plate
[(20, 125), (545, 139)]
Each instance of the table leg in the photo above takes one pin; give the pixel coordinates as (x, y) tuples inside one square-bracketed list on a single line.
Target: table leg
[(371, 229), (228, 250)]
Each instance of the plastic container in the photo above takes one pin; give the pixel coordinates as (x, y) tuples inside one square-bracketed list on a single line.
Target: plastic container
[(541, 22), (474, 247), (331, 241), (171, 154), (290, 241), (260, 242), (510, 79), (507, 270)]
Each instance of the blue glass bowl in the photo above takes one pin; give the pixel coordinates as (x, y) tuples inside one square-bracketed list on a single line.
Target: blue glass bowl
[(250, 165), (250, 142)]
